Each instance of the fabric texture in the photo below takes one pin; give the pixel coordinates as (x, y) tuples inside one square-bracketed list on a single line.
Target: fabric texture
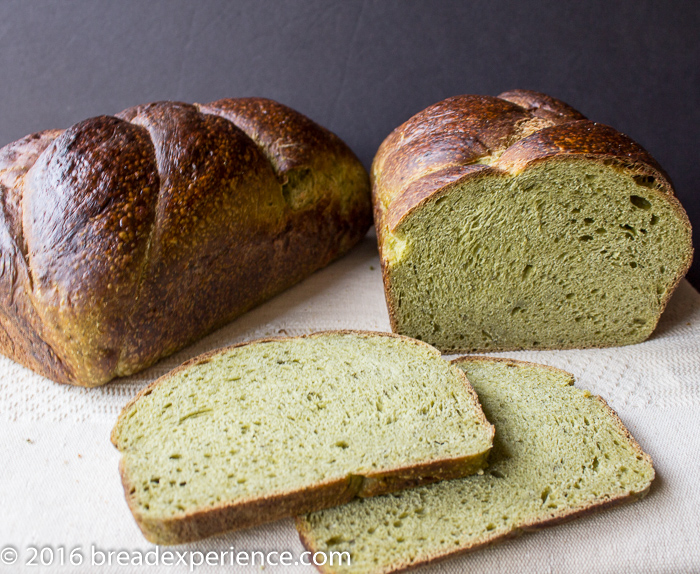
[(59, 484)]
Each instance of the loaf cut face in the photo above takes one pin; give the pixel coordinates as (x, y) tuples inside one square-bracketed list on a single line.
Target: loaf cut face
[(515, 223), (275, 428), (123, 239), (559, 452)]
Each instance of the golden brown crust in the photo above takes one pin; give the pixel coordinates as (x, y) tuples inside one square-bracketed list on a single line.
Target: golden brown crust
[(20, 326), (583, 138), (289, 139), (126, 238), (560, 517), (542, 105), (259, 510)]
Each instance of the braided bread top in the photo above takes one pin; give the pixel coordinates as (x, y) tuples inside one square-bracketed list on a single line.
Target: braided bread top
[(465, 136), (124, 238)]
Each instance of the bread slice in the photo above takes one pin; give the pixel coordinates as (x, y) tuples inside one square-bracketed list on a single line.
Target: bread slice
[(515, 223), (274, 428), (559, 452)]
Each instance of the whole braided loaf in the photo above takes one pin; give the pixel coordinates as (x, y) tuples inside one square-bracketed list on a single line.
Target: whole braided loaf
[(123, 239), (514, 222)]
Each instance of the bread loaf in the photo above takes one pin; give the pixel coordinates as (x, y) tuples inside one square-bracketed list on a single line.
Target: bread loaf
[(559, 452), (515, 223), (125, 238), (269, 429)]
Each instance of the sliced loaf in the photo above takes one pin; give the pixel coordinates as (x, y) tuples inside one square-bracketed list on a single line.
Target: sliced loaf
[(559, 452), (513, 222), (274, 428)]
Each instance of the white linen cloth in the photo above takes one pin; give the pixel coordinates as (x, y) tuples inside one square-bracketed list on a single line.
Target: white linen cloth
[(59, 484)]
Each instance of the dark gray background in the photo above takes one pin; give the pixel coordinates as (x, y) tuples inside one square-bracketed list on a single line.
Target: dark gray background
[(362, 68)]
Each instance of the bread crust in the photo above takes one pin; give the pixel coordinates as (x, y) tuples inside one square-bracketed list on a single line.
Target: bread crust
[(441, 148), (254, 511), (125, 238), (558, 517)]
